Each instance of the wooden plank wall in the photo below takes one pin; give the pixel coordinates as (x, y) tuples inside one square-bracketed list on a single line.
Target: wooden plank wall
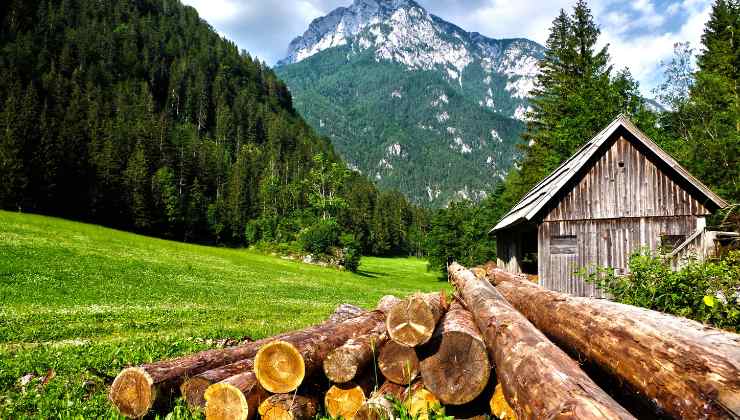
[(625, 183), (603, 242), (507, 251)]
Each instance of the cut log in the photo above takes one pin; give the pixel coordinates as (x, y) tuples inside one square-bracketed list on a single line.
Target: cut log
[(344, 400), (387, 302), (289, 407), (236, 398), (345, 362), (539, 380), (137, 389), (281, 366), (379, 406), (420, 402), (193, 390), (687, 369), (499, 407), (344, 312), (398, 363), (411, 322), (457, 369)]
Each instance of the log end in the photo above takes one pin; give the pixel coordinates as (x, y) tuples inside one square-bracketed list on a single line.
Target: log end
[(340, 366), (377, 410), (133, 392), (279, 367), (344, 400), (194, 390), (411, 322), (398, 363), (225, 402), (288, 407), (420, 403), (459, 370), (500, 407)]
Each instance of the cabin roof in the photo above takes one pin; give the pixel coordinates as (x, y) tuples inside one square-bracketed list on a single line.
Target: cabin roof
[(547, 190)]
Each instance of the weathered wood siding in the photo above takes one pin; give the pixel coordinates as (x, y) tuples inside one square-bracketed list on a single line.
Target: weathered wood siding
[(625, 183), (623, 203), (599, 242)]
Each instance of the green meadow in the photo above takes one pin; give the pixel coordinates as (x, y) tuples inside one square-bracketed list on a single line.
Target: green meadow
[(79, 302)]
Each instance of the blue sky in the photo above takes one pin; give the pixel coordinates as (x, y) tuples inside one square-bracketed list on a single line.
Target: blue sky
[(640, 33)]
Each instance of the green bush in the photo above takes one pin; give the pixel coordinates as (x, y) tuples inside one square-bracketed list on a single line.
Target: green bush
[(707, 291), (352, 253), (320, 237)]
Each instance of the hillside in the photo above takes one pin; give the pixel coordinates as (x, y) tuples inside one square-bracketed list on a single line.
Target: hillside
[(86, 301), (412, 101), (138, 115)]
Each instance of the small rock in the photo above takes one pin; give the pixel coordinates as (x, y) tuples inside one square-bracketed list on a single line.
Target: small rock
[(25, 379)]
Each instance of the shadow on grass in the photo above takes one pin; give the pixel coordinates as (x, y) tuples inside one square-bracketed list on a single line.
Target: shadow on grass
[(370, 274)]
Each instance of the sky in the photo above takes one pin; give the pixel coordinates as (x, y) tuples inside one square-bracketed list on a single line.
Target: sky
[(640, 33)]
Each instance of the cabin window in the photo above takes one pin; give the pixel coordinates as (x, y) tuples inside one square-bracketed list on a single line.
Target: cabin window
[(669, 242), (563, 244), (621, 164)]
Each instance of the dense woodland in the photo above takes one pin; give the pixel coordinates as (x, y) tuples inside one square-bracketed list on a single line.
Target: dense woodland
[(138, 115), (578, 93)]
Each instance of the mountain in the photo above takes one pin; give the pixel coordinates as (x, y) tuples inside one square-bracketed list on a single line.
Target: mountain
[(414, 102), (138, 115)]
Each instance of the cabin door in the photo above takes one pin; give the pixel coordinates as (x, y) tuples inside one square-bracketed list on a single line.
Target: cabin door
[(564, 263)]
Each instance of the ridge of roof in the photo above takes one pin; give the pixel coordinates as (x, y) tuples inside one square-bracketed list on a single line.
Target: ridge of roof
[(544, 191)]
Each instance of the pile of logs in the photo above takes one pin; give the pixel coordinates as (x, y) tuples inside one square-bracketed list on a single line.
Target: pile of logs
[(426, 351)]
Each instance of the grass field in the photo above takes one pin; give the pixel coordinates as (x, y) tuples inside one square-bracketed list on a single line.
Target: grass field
[(82, 302)]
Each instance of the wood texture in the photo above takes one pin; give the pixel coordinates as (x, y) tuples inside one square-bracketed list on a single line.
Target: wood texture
[(289, 407), (344, 400), (346, 361), (539, 380), (280, 374), (398, 363), (236, 399), (457, 369), (499, 407), (411, 322), (136, 390), (379, 405), (193, 390), (687, 369), (420, 402), (387, 302)]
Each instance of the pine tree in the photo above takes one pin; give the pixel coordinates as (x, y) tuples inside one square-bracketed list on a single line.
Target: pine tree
[(714, 107), (136, 178)]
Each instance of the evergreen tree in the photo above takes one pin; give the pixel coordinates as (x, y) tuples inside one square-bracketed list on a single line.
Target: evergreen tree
[(575, 96)]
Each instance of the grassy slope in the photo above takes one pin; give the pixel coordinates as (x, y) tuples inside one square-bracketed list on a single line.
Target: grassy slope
[(86, 301)]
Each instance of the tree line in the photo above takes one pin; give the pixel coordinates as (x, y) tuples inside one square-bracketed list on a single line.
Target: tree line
[(577, 93), (138, 115)]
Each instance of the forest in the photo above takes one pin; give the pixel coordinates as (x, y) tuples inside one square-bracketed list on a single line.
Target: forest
[(138, 115), (578, 92)]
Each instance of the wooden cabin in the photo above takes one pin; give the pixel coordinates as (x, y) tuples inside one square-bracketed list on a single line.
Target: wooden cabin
[(619, 193)]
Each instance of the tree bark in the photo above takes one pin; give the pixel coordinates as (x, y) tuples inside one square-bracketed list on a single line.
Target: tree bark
[(193, 390), (344, 312), (457, 368), (280, 368), (687, 369), (539, 380), (411, 322), (137, 389), (289, 406), (398, 363), (344, 400), (345, 362), (378, 406), (387, 302), (237, 397)]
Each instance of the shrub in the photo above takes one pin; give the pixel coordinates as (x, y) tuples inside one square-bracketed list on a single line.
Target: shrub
[(351, 253), (320, 237), (707, 291)]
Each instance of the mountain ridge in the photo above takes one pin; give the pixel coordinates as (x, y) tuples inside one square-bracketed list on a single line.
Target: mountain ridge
[(338, 67)]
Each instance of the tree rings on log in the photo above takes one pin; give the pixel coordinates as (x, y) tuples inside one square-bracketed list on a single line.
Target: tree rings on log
[(279, 367), (133, 392), (288, 407), (344, 400), (411, 322), (398, 363)]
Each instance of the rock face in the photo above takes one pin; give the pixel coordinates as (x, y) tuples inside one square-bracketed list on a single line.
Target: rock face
[(392, 84)]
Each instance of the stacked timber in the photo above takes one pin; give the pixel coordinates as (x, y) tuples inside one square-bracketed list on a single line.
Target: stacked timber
[(688, 370), (422, 353)]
